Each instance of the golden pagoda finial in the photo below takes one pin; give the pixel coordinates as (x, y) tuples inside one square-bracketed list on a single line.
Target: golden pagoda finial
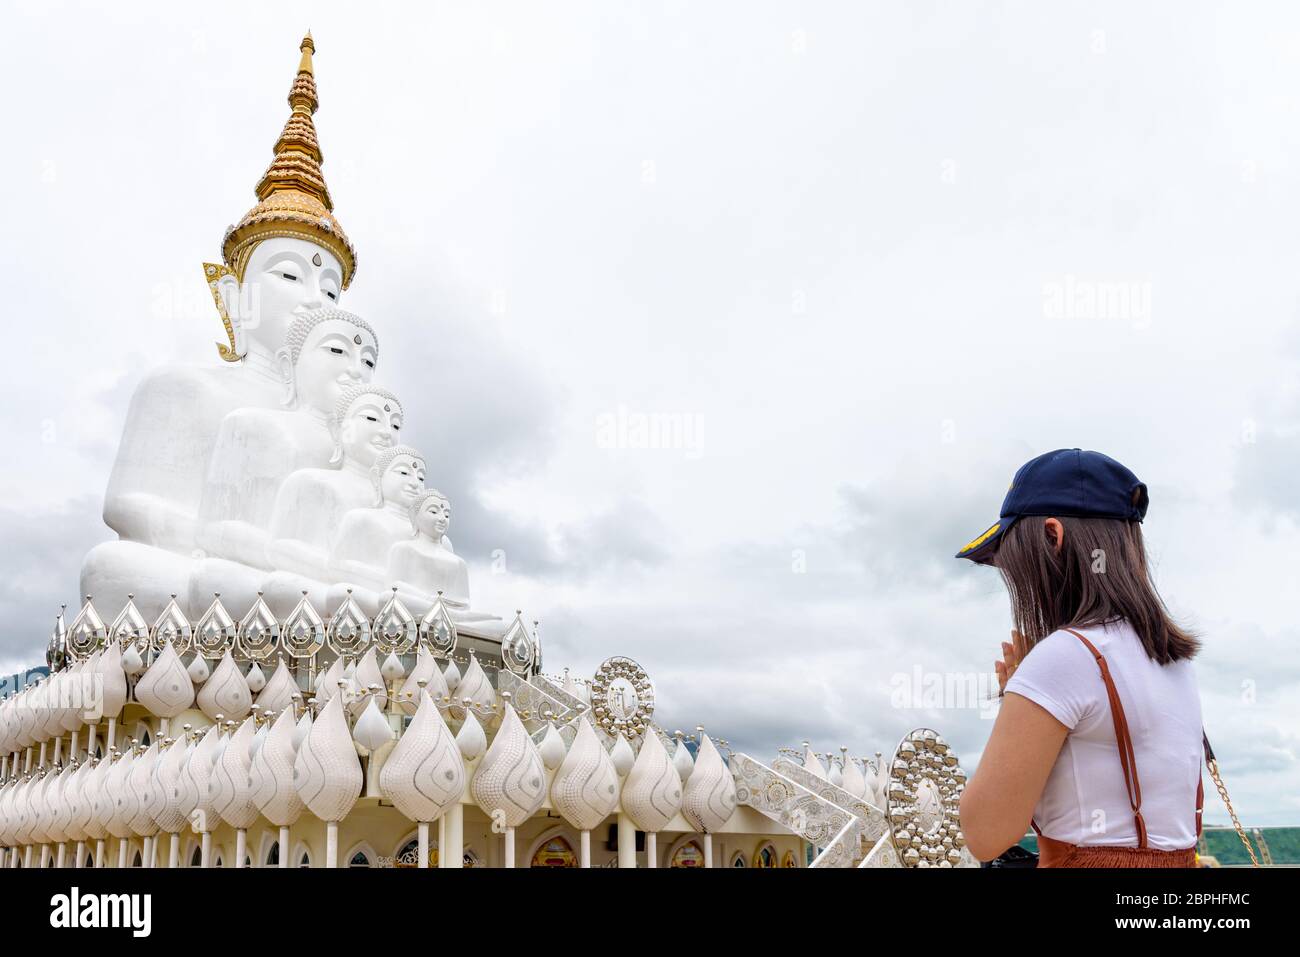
[(308, 47), (293, 198)]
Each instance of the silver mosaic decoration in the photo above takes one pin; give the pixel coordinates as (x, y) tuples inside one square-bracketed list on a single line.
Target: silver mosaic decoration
[(518, 650), (438, 631), (611, 710), (924, 793)]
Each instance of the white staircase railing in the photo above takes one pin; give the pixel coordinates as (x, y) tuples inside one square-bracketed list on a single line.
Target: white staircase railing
[(820, 822)]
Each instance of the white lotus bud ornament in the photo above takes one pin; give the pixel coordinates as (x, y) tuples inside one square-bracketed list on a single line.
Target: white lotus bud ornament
[(198, 670), (452, 676), (424, 774), (326, 770), (585, 789), (166, 689), (813, 764), (475, 686), (551, 747), (426, 672), (271, 774), (141, 784), (470, 738), (372, 730), (117, 803), (233, 797), (165, 807), (192, 790), (710, 796), (652, 794), (88, 820), (132, 661), (511, 778), (366, 676), (853, 780), (226, 692), (622, 756), (682, 759), (392, 668), (279, 691), (113, 690), (327, 685), (255, 679)]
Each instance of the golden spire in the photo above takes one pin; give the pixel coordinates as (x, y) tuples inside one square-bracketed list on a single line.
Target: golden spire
[(308, 47), (293, 197)]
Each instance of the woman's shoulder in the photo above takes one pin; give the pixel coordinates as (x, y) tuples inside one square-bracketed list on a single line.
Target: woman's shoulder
[(1061, 647), (1050, 676)]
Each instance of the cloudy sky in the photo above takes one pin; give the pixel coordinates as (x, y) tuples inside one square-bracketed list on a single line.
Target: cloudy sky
[(866, 257)]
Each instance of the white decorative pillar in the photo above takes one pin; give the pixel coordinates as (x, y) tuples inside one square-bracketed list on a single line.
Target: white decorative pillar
[(626, 841), (509, 848), (331, 843), (452, 854)]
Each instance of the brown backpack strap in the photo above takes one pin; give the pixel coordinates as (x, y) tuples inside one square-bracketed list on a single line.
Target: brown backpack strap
[(1200, 783), (1127, 758)]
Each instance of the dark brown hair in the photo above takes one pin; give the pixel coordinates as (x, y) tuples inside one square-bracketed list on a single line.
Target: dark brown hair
[(1100, 574)]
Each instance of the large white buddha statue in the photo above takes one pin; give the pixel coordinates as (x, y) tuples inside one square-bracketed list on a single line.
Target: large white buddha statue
[(286, 256), (310, 505)]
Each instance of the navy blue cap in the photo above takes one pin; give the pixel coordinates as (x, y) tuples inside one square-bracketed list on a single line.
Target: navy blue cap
[(1068, 482)]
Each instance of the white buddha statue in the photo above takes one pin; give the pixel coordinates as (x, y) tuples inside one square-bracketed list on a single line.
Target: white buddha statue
[(310, 505), (286, 256), (423, 564), (326, 352), (359, 554)]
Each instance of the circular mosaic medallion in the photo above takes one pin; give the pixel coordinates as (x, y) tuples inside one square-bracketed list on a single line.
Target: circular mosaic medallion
[(922, 800), (622, 697)]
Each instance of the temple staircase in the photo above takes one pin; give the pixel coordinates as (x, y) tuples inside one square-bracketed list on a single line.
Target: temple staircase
[(843, 828)]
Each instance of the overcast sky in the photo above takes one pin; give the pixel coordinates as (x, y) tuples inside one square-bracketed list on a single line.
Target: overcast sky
[(871, 256)]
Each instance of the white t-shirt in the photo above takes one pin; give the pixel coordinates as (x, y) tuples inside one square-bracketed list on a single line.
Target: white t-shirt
[(1085, 800)]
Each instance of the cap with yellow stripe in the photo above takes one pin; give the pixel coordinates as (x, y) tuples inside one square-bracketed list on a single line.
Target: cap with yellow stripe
[(1064, 482), (981, 548)]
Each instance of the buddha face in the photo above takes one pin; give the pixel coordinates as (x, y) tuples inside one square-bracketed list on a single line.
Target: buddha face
[(403, 481), (371, 425), (284, 277), (335, 355), (434, 518)]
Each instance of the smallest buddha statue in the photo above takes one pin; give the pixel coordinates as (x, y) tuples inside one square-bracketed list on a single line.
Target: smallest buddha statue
[(423, 565)]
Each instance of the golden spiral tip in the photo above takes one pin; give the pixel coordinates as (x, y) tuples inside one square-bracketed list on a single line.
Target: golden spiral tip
[(308, 47)]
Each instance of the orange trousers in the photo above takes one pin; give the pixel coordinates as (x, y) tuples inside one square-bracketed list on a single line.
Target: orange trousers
[(1053, 853)]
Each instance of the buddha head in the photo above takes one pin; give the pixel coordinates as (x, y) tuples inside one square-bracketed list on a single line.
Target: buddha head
[(431, 515), (366, 421), (398, 475), (284, 278), (325, 352), (288, 254)]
